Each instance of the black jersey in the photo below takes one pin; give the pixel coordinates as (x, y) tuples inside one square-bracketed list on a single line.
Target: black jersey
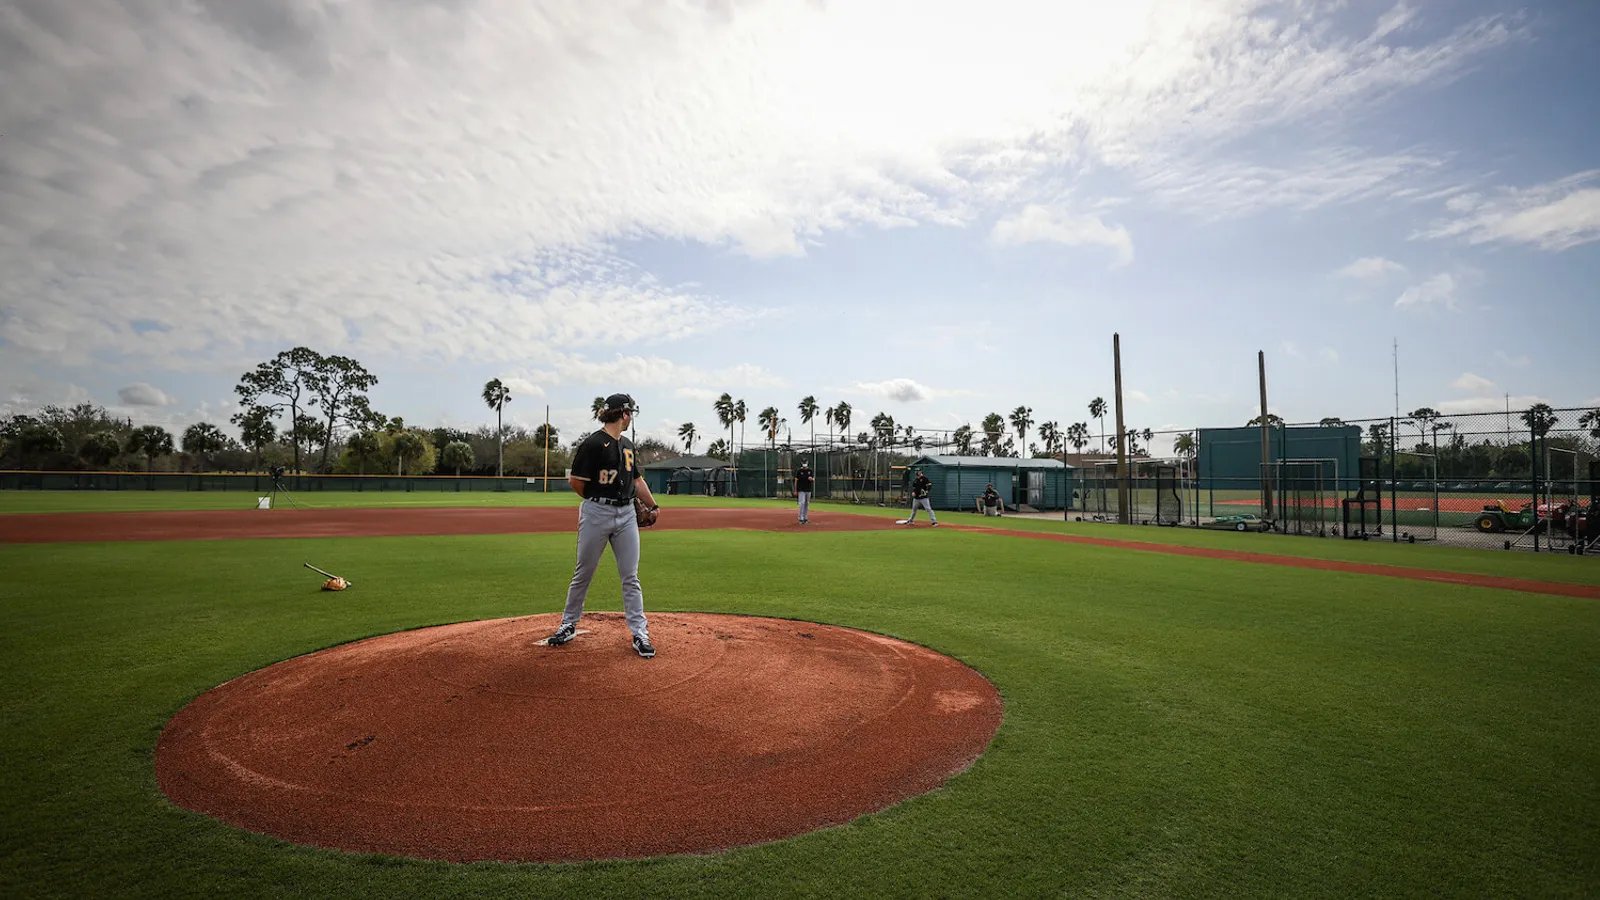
[(803, 480), (991, 497), (921, 486), (608, 466)]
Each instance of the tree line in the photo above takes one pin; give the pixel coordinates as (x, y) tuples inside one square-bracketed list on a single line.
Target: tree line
[(991, 437)]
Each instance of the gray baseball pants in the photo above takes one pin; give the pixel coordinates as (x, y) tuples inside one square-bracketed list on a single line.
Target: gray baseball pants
[(805, 504), (599, 525), (924, 503)]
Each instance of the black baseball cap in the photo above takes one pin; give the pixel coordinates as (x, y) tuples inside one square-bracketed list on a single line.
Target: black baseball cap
[(622, 402)]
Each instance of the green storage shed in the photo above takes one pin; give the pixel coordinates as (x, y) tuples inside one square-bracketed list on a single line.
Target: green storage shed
[(958, 481)]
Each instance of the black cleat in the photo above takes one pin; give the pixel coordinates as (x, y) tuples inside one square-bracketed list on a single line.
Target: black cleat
[(565, 633), (642, 646)]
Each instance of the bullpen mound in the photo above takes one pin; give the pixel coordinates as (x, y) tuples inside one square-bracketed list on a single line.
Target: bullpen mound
[(474, 742)]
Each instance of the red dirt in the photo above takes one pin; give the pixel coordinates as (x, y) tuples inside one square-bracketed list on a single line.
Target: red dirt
[(1328, 565), (304, 523), (234, 524), (471, 742)]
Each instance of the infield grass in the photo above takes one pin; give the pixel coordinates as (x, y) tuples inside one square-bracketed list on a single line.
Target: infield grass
[(1173, 726)]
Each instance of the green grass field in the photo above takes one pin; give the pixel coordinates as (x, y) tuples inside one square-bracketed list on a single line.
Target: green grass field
[(1173, 727)]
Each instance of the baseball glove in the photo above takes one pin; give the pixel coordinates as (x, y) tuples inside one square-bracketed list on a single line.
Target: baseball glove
[(335, 584), (645, 514)]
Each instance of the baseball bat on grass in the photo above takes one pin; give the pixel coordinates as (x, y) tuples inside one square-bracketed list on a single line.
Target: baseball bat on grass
[(328, 574)]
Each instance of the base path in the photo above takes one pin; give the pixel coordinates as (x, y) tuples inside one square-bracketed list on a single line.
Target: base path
[(1558, 588), (390, 522), (476, 742), (235, 524)]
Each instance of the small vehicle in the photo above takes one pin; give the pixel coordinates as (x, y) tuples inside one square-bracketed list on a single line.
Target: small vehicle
[(1241, 522), (1495, 518)]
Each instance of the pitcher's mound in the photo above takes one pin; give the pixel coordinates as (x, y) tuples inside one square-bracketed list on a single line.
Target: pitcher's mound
[(473, 741)]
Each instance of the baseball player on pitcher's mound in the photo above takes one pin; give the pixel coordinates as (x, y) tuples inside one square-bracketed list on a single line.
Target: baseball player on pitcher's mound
[(605, 473)]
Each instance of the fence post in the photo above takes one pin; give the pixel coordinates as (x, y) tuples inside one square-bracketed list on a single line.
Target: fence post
[(1394, 478)]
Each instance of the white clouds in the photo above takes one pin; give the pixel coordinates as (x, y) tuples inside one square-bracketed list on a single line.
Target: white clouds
[(900, 390), (1520, 361), (1328, 354), (451, 180), (1136, 396), (1473, 383), (1438, 291), (142, 394), (522, 387), (1490, 404), (1554, 216), (1036, 223), (634, 373), (1371, 268)]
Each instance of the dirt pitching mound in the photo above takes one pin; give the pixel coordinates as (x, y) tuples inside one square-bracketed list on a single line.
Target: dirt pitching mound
[(475, 742)]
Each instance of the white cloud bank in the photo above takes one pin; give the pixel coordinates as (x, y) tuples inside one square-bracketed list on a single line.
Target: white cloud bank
[(1036, 223), (1371, 268), (452, 180), (1555, 216)]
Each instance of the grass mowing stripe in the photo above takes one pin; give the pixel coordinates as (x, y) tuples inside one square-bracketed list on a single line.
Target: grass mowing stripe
[(1173, 726), (1546, 567)]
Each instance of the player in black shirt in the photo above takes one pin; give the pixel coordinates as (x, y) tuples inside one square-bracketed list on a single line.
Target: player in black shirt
[(605, 473), (803, 482), (921, 491), (991, 502)]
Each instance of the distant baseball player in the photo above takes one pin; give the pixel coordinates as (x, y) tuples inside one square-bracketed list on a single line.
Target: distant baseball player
[(921, 488), (991, 502), (803, 482), (605, 473)]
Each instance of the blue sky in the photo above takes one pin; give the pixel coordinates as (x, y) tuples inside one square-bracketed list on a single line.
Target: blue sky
[(935, 210)]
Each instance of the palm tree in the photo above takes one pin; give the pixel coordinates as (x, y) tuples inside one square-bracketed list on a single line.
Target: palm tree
[(687, 432), (963, 440), (1078, 436), (408, 446), (364, 444), (1050, 433), (993, 427), (150, 441), (1540, 418), (1021, 418), (1097, 410), (770, 422), (256, 431), (808, 411), (1184, 446), (497, 395), (201, 440), (718, 449), (739, 411), (100, 448), (598, 406), (1591, 420), (457, 455), (841, 417)]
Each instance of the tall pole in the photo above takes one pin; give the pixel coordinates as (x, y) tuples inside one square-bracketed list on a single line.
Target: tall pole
[(1124, 494), (546, 478), (1396, 378), (1266, 444)]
